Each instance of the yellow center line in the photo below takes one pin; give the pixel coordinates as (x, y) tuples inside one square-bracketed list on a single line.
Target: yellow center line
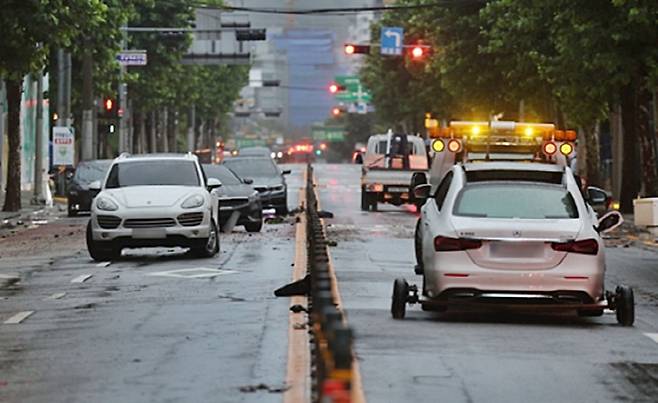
[(299, 359)]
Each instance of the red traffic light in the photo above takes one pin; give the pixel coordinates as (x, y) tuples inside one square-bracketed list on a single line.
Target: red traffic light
[(351, 49), (109, 104), (334, 88)]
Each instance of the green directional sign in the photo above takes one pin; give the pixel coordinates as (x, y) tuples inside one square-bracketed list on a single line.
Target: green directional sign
[(328, 133), (354, 91), (244, 143)]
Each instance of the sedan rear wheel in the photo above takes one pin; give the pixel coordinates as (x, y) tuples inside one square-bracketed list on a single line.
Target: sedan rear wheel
[(399, 300), (625, 305)]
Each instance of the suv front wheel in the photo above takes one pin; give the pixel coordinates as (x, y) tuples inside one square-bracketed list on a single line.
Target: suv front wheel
[(211, 244), (98, 250)]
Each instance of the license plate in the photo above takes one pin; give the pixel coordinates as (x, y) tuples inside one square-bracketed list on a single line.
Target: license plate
[(397, 189), (517, 249), (149, 233)]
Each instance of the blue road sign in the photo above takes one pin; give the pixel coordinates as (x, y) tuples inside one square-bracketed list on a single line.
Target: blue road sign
[(391, 40)]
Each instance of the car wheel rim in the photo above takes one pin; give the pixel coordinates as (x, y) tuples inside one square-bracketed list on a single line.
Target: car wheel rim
[(212, 239)]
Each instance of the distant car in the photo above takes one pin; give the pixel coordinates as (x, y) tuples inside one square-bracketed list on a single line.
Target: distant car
[(268, 180), (255, 152), (236, 196), (79, 195), (154, 200)]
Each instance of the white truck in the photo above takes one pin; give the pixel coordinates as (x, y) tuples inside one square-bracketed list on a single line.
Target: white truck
[(389, 164)]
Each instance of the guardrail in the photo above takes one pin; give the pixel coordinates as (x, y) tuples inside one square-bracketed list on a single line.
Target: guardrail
[(331, 337)]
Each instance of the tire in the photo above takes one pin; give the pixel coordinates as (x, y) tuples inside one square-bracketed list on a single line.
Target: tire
[(364, 199), (70, 211), (97, 250), (590, 313), (211, 244), (282, 210), (255, 226), (418, 248), (625, 302), (372, 201), (399, 299)]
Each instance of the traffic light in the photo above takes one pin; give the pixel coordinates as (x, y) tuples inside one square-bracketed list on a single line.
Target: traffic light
[(352, 49), (251, 34), (335, 88), (109, 108), (418, 52)]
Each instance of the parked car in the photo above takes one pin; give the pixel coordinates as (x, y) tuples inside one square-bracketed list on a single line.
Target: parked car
[(154, 200), (268, 179), (79, 195), (237, 196)]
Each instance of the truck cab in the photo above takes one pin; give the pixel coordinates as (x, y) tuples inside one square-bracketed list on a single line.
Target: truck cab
[(389, 163)]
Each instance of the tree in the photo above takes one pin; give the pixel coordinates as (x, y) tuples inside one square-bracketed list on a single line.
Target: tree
[(28, 30)]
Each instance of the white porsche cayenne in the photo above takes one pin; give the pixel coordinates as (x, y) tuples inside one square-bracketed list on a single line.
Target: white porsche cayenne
[(512, 233), (154, 200)]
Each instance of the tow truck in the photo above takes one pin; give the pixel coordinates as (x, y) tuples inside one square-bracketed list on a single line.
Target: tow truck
[(506, 223), (391, 160)]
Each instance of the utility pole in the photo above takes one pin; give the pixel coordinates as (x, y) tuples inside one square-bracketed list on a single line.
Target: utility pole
[(60, 88), (38, 143), (68, 69), (2, 128), (87, 135), (123, 101)]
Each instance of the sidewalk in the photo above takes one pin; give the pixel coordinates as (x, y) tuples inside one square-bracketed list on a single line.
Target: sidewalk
[(27, 207)]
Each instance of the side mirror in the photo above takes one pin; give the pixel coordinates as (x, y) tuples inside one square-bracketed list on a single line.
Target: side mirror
[(286, 172), (95, 185), (609, 222), (597, 196), (358, 159), (422, 192), (247, 181), (213, 183)]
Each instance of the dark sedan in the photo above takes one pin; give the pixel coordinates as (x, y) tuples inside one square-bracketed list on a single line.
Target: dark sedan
[(268, 180), (236, 196), (79, 195)]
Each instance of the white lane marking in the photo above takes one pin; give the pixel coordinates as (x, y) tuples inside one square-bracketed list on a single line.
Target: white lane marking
[(652, 336), (18, 318), (103, 264), (57, 295), (81, 278), (196, 272)]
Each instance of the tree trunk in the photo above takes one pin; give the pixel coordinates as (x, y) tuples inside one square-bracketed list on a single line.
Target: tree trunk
[(165, 129), (590, 162), (630, 182), (153, 144), (13, 195), (647, 141)]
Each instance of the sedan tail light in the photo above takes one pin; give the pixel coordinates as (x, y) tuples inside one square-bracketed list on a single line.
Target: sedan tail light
[(446, 244), (586, 247)]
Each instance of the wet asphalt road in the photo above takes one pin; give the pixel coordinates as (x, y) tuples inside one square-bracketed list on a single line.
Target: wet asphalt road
[(141, 330), (480, 356)]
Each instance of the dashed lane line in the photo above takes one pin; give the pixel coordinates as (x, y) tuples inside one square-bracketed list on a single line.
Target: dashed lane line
[(18, 318), (652, 336), (82, 278)]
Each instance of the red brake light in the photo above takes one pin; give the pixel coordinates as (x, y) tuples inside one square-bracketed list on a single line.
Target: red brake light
[(445, 244), (586, 247)]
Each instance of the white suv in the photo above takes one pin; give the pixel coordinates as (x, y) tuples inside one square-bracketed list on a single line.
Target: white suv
[(154, 200)]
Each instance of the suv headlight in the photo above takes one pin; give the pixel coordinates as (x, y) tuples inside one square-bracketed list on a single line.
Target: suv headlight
[(193, 201), (105, 204), (276, 188)]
